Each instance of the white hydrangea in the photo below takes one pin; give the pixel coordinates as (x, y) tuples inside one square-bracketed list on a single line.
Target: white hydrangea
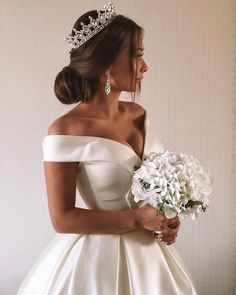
[(174, 183)]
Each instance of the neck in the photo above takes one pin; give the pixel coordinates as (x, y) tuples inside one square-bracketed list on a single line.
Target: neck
[(106, 105)]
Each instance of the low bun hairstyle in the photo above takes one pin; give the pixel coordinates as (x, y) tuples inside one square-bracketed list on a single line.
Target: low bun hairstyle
[(80, 79), (70, 87)]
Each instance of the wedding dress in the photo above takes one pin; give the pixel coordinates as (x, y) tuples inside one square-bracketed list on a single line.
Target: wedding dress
[(131, 263)]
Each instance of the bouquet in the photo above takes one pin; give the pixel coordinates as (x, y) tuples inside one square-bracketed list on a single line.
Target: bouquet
[(175, 184)]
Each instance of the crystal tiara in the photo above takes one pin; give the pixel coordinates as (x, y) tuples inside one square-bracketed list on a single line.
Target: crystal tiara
[(105, 16)]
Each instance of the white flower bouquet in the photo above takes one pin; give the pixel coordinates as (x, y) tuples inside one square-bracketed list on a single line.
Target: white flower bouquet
[(175, 184)]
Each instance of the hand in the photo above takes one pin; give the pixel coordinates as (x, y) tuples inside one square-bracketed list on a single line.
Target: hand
[(170, 230), (151, 220)]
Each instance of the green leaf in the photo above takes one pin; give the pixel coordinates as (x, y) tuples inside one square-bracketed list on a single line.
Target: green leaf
[(145, 185), (136, 167)]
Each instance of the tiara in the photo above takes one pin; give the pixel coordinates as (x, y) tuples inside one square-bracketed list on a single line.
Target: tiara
[(105, 16)]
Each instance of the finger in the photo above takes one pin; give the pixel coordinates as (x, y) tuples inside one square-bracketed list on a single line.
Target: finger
[(168, 241), (169, 236), (172, 221), (169, 231), (174, 225), (171, 242), (173, 229)]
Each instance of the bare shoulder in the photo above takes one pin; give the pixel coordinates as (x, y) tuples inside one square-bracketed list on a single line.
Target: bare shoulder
[(57, 126), (66, 124), (73, 123), (135, 108)]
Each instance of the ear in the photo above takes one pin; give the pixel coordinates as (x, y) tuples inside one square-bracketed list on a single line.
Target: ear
[(105, 74), (108, 71)]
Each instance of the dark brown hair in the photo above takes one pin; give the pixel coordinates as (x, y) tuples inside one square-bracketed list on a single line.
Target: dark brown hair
[(80, 79)]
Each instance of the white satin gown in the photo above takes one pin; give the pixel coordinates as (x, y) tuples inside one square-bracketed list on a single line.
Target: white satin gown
[(132, 263)]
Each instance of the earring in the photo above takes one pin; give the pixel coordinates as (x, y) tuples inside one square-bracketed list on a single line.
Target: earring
[(108, 85)]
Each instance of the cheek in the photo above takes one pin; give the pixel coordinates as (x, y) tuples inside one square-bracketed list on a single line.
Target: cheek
[(122, 77), (122, 83)]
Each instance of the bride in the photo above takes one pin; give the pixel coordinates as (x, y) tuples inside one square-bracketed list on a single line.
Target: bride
[(109, 247)]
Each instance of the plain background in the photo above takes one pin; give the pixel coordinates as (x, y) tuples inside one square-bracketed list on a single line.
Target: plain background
[(189, 92)]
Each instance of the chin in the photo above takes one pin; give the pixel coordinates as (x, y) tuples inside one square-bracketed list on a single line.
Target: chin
[(131, 89), (134, 88)]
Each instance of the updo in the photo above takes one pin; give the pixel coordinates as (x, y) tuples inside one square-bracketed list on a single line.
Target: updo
[(80, 79)]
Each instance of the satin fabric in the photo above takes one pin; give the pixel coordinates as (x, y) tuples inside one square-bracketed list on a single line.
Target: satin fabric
[(132, 263)]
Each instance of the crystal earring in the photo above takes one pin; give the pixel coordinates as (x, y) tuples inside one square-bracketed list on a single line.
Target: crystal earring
[(108, 85)]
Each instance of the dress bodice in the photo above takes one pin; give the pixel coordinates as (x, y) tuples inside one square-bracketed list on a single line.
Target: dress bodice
[(105, 166)]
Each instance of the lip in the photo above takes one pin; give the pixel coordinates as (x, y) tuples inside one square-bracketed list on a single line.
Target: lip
[(139, 79)]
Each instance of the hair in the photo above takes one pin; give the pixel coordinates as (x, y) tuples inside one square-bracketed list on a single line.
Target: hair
[(80, 79)]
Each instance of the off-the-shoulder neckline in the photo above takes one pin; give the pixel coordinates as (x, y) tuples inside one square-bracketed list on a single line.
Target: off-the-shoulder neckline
[(109, 139)]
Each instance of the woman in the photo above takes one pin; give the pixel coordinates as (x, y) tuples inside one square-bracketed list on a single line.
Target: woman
[(108, 247)]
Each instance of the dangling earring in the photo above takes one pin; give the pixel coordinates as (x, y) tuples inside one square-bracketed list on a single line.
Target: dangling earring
[(108, 85)]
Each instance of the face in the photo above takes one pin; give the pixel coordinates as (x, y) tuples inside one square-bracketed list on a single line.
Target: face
[(120, 75)]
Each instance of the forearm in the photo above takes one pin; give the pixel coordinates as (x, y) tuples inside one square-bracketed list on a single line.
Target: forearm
[(86, 221)]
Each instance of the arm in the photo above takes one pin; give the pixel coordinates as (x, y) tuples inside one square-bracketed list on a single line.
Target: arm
[(66, 218), (60, 180)]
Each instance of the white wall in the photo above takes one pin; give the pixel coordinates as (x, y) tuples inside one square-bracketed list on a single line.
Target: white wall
[(190, 95)]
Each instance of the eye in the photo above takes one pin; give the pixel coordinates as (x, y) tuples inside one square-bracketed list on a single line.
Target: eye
[(139, 53)]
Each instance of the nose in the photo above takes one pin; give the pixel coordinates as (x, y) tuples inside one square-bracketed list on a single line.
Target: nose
[(145, 67)]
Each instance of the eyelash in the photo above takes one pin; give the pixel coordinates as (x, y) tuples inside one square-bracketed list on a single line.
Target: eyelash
[(139, 54)]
